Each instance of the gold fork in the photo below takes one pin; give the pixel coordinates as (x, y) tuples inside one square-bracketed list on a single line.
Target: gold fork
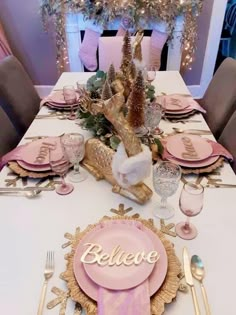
[(48, 272)]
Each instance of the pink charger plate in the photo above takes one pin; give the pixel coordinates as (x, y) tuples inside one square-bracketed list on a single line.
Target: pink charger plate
[(156, 278), (62, 107), (34, 168), (31, 151), (175, 147)]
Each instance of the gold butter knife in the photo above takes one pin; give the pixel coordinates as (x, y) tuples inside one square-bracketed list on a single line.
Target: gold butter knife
[(189, 280)]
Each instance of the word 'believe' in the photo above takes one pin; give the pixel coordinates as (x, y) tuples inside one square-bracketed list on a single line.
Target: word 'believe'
[(117, 256)]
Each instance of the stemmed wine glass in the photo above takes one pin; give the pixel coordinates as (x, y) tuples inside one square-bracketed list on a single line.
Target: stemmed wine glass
[(73, 144), (153, 114), (190, 203), (166, 178), (70, 97), (60, 167)]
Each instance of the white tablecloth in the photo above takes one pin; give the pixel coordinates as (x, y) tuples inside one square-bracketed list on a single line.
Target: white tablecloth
[(29, 228)]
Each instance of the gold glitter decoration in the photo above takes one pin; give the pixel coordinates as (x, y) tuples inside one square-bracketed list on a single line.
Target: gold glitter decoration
[(121, 210), (141, 13), (167, 228), (61, 298), (165, 294)]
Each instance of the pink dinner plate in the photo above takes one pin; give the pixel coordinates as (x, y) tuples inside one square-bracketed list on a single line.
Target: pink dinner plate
[(176, 147), (131, 240), (194, 164), (34, 168), (156, 278), (32, 151)]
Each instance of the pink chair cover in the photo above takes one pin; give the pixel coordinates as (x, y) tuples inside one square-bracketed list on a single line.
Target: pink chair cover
[(5, 49)]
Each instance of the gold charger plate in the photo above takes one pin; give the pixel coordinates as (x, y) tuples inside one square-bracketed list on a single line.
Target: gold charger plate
[(165, 294), (206, 169), (16, 168)]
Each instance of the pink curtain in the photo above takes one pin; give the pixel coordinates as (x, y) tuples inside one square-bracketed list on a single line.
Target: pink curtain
[(5, 49)]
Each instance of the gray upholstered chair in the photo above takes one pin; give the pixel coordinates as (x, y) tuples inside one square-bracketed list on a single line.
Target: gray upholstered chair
[(228, 138), (18, 96), (8, 134), (220, 97)]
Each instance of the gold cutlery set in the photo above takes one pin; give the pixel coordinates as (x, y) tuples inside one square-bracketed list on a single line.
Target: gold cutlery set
[(194, 268), (28, 192)]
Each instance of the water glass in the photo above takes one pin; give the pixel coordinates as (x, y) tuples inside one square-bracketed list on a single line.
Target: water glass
[(73, 144), (151, 73), (60, 168), (166, 178), (153, 113), (191, 204), (70, 97)]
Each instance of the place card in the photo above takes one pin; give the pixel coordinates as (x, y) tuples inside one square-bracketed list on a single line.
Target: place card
[(190, 152)]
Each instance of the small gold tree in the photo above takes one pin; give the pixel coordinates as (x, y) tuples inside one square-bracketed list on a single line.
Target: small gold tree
[(127, 54), (111, 74), (132, 71), (136, 103), (106, 91)]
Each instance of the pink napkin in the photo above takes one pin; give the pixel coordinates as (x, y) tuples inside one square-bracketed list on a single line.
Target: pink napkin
[(134, 301), (13, 155), (192, 104), (218, 150)]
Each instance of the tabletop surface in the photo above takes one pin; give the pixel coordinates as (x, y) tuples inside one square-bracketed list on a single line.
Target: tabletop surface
[(31, 227)]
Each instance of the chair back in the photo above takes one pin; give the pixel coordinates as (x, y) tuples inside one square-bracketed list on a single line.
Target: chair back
[(8, 134), (110, 51), (230, 18), (220, 97), (228, 138), (18, 96)]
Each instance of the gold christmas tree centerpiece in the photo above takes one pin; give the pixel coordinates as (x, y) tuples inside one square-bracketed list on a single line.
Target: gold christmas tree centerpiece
[(136, 102)]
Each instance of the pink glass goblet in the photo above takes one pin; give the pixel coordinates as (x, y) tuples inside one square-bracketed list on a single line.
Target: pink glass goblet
[(60, 167), (74, 148), (70, 97), (190, 203), (151, 73)]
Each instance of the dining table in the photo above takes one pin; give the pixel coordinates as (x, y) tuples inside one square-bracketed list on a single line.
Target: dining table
[(31, 227)]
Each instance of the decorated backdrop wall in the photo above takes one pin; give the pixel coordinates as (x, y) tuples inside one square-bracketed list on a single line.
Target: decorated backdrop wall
[(36, 51)]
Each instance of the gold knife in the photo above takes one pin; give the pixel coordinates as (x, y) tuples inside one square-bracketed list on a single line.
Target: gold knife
[(189, 280), (219, 185)]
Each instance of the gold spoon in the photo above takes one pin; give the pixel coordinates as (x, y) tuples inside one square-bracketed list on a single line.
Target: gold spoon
[(198, 273)]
